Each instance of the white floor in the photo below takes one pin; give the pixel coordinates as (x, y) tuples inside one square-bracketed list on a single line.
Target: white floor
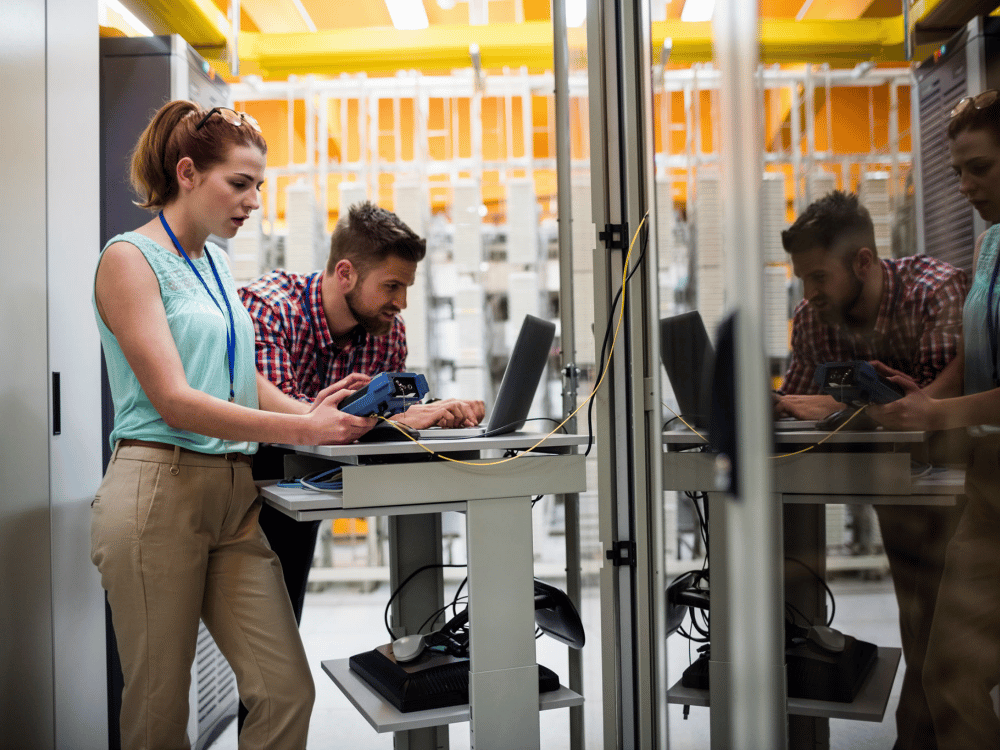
[(341, 621)]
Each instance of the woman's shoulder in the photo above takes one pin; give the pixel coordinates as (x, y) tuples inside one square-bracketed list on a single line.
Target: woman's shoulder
[(135, 239), (124, 248), (986, 246), (135, 245)]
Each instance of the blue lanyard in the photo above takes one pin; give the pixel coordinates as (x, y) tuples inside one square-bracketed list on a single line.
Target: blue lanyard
[(993, 319), (231, 331)]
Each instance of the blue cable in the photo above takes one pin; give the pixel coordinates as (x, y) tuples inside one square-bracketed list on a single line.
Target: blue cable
[(328, 480)]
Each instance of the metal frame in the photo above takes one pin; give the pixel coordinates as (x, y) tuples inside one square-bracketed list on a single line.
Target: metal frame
[(630, 486)]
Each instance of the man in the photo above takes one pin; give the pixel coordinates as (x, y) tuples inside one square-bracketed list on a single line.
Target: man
[(907, 314), (339, 326)]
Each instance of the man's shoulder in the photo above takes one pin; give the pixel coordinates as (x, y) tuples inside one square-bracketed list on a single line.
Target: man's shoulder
[(925, 271), (277, 288), (804, 315)]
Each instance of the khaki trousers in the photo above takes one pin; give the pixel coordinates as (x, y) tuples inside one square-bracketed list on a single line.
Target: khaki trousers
[(915, 538), (963, 653), (175, 537)]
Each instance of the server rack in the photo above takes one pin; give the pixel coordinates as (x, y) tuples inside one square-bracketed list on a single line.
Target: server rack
[(139, 75), (969, 62)]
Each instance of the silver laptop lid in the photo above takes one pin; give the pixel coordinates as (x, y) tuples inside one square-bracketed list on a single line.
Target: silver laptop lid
[(522, 376), (518, 387)]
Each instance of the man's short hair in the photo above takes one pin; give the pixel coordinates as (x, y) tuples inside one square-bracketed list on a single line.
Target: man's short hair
[(836, 222), (367, 235)]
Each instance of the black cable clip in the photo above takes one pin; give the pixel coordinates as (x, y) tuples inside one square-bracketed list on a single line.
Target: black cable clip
[(622, 553), (614, 236)]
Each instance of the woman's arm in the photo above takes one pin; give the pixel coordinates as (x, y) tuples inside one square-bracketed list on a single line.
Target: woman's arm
[(918, 411), (950, 382), (272, 398), (128, 300)]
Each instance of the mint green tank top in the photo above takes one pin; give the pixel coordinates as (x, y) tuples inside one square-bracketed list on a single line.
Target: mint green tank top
[(199, 329), (978, 352)]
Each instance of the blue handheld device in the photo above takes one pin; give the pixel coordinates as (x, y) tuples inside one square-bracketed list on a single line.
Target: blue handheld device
[(388, 393), (856, 383)]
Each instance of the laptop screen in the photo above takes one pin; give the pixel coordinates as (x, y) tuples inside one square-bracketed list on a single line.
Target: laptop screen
[(522, 376), (688, 358)]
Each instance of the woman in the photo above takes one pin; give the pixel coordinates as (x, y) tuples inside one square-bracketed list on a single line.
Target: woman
[(175, 533), (963, 655)]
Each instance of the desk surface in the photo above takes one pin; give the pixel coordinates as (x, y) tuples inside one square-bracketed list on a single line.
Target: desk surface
[(385, 488), (514, 441), (684, 436)]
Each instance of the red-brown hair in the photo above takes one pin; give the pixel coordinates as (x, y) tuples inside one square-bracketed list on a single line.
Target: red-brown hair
[(170, 136)]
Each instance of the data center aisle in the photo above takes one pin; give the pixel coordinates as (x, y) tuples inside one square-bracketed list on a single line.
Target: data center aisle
[(340, 621)]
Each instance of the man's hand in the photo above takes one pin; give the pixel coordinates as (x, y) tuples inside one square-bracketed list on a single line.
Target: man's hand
[(450, 412), (352, 382), (806, 407)]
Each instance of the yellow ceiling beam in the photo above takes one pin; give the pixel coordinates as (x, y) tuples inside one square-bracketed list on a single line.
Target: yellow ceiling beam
[(275, 16), (382, 49), (386, 49), (446, 47), (200, 22), (819, 10)]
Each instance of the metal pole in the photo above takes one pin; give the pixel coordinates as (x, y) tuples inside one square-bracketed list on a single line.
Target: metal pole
[(571, 502), (755, 676), (234, 42)]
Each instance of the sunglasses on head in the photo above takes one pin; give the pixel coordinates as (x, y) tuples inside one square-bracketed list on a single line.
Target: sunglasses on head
[(231, 116), (979, 101)]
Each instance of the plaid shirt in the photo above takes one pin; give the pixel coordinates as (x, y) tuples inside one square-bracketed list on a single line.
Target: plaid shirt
[(917, 331), (295, 350)]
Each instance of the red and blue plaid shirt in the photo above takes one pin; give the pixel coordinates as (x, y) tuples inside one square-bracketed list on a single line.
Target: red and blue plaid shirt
[(918, 329), (295, 350)]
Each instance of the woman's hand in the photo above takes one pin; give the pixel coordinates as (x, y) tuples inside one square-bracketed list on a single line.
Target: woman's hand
[(915, 411), (887, 372), (331, 426), (352, 382), (450, 412)]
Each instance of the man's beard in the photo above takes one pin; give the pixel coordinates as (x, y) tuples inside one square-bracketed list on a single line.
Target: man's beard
[(374, 325), (840, 314)]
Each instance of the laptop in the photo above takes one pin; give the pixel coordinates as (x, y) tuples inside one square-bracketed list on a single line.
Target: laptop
[(517, 389), (689, 359)]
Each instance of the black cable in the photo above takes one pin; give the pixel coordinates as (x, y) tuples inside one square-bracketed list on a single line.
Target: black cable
[(676, 417), (455, 599), (796, 611), (699, 630), (702, 523), (829, 593), (437, 613), (409, 578), (644, 234)]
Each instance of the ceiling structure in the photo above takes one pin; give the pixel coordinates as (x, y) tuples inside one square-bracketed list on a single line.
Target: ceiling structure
[(283, 37)]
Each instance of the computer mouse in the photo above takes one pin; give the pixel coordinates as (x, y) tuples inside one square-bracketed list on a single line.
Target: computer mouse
[(827, 638), (831, 422), (408, 648)]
